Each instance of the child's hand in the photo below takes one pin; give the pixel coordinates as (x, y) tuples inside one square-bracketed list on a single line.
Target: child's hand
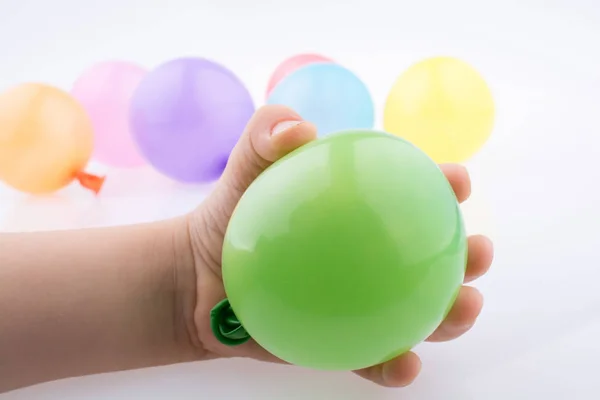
[(273, 132)]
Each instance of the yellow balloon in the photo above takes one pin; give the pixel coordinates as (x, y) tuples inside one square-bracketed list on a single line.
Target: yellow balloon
[(46, 140), (443, 106)]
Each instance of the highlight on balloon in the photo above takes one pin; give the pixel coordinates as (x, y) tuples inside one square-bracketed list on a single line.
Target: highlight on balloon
[(183, 117)]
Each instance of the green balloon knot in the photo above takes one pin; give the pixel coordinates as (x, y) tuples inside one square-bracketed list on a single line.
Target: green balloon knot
[(226, 326)]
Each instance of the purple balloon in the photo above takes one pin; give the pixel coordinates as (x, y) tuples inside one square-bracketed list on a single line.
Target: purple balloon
[(187, 115)]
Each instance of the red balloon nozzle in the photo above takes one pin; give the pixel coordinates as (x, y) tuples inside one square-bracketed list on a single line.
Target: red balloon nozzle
[(91, 182)]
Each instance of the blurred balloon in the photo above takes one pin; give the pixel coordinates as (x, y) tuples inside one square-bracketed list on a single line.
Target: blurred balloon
[(443, 106), (105, 92), (328, 95), (342, 255), (187, 115), (292, 64), (46, 140)]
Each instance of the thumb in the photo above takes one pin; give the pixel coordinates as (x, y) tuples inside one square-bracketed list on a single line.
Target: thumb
[(271, 133)]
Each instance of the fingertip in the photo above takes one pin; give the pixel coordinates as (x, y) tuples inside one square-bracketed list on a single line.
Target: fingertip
[(266, 121), (487, 247), (462, 316), (401, 371), (293, 136), (398, 372), (467, 307), (459, 179), (481, 256), (273, 113), (284, 126)]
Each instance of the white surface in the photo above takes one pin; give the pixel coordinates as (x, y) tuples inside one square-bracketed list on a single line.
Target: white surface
[(535, 183)]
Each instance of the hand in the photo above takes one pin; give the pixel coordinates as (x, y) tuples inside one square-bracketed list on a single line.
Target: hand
[(273, 132)]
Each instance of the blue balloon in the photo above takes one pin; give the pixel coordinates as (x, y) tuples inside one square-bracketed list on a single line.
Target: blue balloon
[(328, 95)]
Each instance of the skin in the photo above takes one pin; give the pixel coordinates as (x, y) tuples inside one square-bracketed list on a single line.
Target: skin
[(81, 302)]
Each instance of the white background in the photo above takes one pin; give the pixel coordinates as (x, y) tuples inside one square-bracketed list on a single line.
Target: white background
[(535, 183)]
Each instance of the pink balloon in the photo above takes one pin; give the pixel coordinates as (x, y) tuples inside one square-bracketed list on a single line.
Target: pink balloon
[(292, 64), (105, 92)]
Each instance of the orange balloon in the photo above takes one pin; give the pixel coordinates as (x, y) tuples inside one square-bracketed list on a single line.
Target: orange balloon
[(46, 140)]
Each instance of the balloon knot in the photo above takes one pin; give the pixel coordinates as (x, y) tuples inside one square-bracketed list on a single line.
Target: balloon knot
[(225, 325), (91, 182)]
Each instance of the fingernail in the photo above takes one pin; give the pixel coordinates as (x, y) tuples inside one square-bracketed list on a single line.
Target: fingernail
[(283, 126), (387, 374), (462, 328)]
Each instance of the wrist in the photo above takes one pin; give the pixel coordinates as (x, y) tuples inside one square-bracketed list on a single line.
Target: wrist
[(184, 289)]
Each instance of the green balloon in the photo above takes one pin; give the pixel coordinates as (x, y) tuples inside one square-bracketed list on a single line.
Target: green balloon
[(344, 254)]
